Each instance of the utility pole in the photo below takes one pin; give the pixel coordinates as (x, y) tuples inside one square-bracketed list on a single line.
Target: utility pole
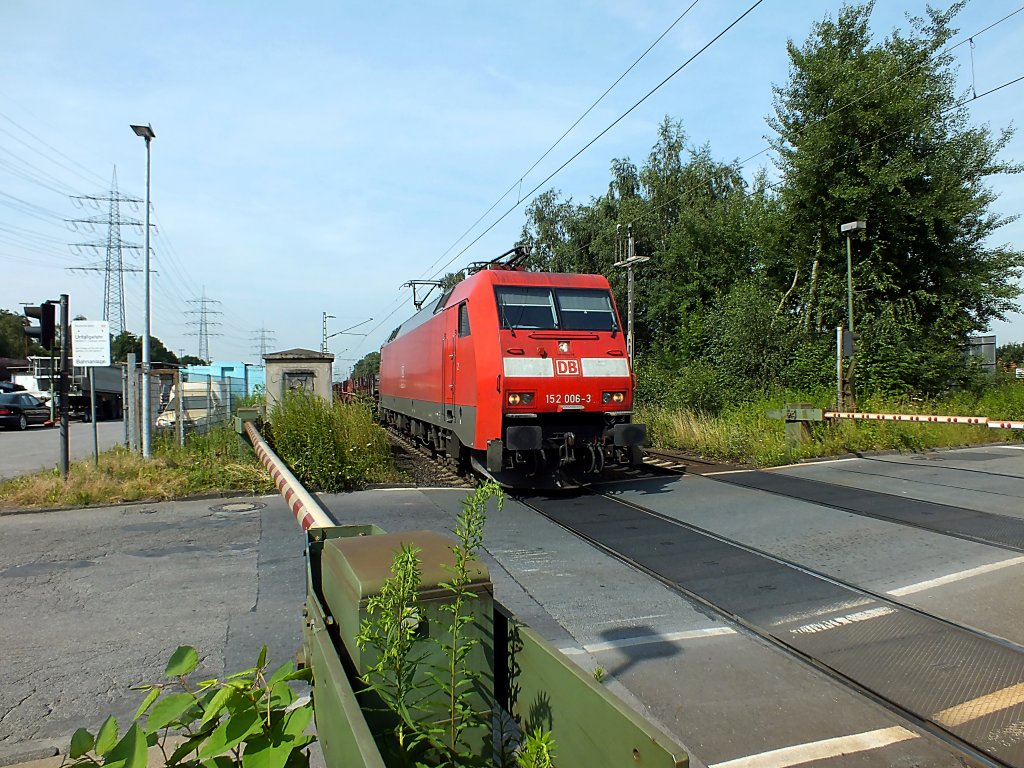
[(65, 342), (204, 324), (262, 335), (113, 269), (629, 262)]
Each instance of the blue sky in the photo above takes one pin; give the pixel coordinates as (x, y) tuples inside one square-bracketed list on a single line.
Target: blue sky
[(312, 157)]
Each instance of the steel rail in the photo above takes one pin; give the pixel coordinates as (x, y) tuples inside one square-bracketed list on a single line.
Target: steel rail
[(925, 725)]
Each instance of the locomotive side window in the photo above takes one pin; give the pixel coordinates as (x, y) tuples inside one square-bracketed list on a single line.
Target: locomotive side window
[(463, 319), (584, 309), (529, 308)]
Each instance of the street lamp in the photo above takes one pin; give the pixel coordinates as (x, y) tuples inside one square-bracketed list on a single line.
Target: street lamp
[(846, 229), (146, 132)]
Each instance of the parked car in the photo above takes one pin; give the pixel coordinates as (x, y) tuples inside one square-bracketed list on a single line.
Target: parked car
[(18, 410)]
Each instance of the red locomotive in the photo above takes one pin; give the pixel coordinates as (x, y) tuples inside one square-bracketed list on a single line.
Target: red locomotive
[(523, 375)]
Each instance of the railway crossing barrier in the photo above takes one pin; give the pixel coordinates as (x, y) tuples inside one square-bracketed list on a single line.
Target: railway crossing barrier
[(798, 418), (524, 679)]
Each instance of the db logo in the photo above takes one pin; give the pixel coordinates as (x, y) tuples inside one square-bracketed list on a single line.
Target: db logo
[(567, 367)]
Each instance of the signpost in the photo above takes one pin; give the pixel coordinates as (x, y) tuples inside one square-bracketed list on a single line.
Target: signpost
[(90, 347)]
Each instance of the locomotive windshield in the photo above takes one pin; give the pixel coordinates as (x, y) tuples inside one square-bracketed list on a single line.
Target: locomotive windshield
[(566, 309)]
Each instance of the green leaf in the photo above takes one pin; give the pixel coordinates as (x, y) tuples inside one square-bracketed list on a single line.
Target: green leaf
[(231, 732), (152, 696), (280, 673), (217, 704), (187, 746), (296, 721), (182, 662), (81, 742), (263, 753), (130, 751), (168, 710), (262, 660), (106, 738)]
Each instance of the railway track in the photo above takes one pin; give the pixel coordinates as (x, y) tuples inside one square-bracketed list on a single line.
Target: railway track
[(441, 472), (958, 684)]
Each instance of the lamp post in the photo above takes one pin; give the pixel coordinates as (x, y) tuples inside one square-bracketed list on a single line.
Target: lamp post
[(844, 380), (852, 226), (629, 262), (146, 132)]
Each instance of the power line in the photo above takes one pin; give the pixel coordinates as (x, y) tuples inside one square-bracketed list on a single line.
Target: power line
[(568, 130), (583, 149)]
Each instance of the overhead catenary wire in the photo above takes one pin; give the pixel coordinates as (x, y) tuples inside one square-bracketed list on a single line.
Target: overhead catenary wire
[(568, 130), (768, 147), (583, 149)]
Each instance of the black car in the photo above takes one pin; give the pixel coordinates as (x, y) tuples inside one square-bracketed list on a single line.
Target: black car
[(19, 409)]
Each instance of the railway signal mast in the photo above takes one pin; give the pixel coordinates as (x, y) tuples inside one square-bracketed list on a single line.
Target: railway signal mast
[(629, 262)]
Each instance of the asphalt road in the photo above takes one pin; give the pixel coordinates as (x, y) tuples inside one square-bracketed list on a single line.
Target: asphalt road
[(38, 448), (93, 601)]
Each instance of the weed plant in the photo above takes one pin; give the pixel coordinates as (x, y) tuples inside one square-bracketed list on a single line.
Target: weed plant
[(330, 447), (211, 462), (248, 720), (743, 433), (433, 713)]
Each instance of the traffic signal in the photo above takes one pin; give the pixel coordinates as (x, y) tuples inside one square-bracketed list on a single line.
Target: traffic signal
[(45, 331), (850, 345)]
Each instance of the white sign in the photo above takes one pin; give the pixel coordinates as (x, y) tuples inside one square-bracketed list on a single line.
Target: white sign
[(90, 342)]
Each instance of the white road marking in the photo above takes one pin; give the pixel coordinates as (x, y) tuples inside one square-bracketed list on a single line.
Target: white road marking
[(954, 577), (981, 706), (800, 754), (821, 750), (841, 621), (727, 472), (812, 463), (842, 605), (629, 642)]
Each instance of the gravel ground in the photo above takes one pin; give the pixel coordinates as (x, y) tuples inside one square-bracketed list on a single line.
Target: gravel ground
[(419, 470)]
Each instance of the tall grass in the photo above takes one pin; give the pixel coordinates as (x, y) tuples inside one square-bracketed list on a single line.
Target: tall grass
[(743, 433), (330, 447), (216, 461)]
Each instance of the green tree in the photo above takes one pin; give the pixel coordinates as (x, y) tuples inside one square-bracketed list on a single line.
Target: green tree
[(1011, 355), (192, 360), (367, 366), (12, 335), (875, 131), (126, 342)]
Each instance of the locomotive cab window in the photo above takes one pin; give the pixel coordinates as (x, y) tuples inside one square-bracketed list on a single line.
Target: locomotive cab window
[(463, 319), (527, 308), (583, 309), (567, 309)]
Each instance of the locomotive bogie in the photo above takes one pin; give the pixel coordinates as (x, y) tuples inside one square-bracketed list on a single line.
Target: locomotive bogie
[(524, 375)]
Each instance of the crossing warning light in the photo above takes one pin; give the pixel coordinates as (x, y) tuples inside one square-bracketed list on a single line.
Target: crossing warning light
[(45, 331)]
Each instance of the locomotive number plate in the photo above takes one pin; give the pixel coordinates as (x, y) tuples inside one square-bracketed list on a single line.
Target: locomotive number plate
[(569, 398)]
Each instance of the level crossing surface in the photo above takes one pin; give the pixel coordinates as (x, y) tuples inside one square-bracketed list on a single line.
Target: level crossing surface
[(733, 698)]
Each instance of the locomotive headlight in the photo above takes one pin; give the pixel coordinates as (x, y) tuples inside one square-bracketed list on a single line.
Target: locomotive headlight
[(520, 398), (613, 397), (514, 398)]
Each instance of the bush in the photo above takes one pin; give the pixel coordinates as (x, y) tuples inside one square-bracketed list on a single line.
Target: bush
[(330, 447)]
